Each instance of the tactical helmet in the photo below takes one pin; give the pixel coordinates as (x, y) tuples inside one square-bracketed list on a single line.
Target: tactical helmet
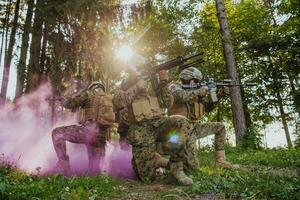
[(190, 73), (95, 85)]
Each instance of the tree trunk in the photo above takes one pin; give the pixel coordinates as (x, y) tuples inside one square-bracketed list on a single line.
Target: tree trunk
[(294, 93), (24, 49), (5, 29), (235, 92), (9, 55), (44, 46), (284, 121), (34, 70), (246, 110)]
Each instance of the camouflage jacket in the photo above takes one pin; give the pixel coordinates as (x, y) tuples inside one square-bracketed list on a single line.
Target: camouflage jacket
[(187, 99)]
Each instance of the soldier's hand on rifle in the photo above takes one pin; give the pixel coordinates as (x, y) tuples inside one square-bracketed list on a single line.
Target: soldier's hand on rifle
[(201, 92), (163, 76), (226, 90)]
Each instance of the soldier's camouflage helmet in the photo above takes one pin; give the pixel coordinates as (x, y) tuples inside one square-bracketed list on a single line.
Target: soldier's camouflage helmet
[(190, 73), (95, 85)]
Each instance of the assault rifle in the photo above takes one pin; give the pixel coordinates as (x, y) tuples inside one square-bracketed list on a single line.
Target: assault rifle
[(147, 71), (179, 61), (212, 86)]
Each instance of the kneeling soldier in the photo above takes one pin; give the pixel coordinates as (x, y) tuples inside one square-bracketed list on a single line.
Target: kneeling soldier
[(142, 108), (96, 118), (190, 103)]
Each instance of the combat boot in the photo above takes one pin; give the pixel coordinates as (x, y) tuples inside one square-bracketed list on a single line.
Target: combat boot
[(63, 166), (176, 169), (160, 161), (221, 161)]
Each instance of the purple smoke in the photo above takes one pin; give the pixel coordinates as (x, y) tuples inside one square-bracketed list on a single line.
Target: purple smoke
[(25, 139)]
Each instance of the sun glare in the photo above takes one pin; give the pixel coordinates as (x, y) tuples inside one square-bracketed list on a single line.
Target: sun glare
[(124, 53)]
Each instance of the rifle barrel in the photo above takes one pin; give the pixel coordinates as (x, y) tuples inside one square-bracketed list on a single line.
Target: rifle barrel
[(175, 62), (191, 64), (193, 56)]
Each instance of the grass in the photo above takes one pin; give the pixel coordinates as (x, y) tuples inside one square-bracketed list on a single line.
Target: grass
[(265, 174), (15, 184)]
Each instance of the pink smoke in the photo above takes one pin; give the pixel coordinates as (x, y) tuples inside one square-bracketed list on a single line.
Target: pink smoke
[(25, 139)]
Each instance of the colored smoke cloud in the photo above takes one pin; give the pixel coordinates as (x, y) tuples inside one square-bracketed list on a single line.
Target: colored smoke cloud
[(25, 139)]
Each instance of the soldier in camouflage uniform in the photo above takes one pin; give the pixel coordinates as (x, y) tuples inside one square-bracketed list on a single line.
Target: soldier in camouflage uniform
[(96, 118), (142, 109), (191, 104)]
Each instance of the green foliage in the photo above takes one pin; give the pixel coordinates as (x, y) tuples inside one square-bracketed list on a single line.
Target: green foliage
[(253, 138), (15, 184), (278, 158), (264, 174), (243, 184)]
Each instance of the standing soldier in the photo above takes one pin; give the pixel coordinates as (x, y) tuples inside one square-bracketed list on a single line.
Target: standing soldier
[(96, 118), (191, 104), (142, 107)]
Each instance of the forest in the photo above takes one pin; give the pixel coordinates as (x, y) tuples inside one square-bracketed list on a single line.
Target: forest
[(51, 47)]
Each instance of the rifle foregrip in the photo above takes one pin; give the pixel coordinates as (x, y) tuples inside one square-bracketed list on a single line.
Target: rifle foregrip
[(213, 96)]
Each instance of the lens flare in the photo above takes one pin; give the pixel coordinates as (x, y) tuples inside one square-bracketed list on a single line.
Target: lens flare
[(173, 139), (124, 53)]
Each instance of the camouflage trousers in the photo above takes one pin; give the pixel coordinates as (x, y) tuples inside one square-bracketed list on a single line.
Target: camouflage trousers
[(200, 131), (145, 135), (89, 133)]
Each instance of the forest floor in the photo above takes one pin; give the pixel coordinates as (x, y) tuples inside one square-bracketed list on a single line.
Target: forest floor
[(264, 174)]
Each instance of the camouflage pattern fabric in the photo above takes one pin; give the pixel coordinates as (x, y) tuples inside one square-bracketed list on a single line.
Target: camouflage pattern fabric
[(211, 128), (191, 161), (89, 134), (144, 136), (187, 97), (190, 156)]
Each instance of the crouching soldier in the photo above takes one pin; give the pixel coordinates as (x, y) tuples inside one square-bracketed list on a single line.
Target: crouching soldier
[(142, 107), (191, 104), (96, 118)]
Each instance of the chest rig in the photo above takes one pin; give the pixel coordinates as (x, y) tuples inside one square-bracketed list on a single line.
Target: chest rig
[(191, 110), (99, 108), (146, 105)]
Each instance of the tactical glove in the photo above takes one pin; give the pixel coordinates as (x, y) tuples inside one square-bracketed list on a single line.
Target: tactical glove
[(201, 92), (163, 76), (226, 90)]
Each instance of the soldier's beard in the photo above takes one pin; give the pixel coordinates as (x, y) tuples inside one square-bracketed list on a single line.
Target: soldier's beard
[(25, 138)]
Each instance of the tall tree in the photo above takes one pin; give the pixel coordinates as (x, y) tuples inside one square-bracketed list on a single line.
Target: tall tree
[(235, 92), (5, 27), (24, 49), (34, 71), (9, 55)]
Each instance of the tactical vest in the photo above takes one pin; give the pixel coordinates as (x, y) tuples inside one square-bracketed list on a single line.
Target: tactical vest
[(192, 111), (146, 107), (98, 109)]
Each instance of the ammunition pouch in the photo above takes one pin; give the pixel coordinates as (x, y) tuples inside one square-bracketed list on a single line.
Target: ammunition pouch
[(192, 111), (199, 110)]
